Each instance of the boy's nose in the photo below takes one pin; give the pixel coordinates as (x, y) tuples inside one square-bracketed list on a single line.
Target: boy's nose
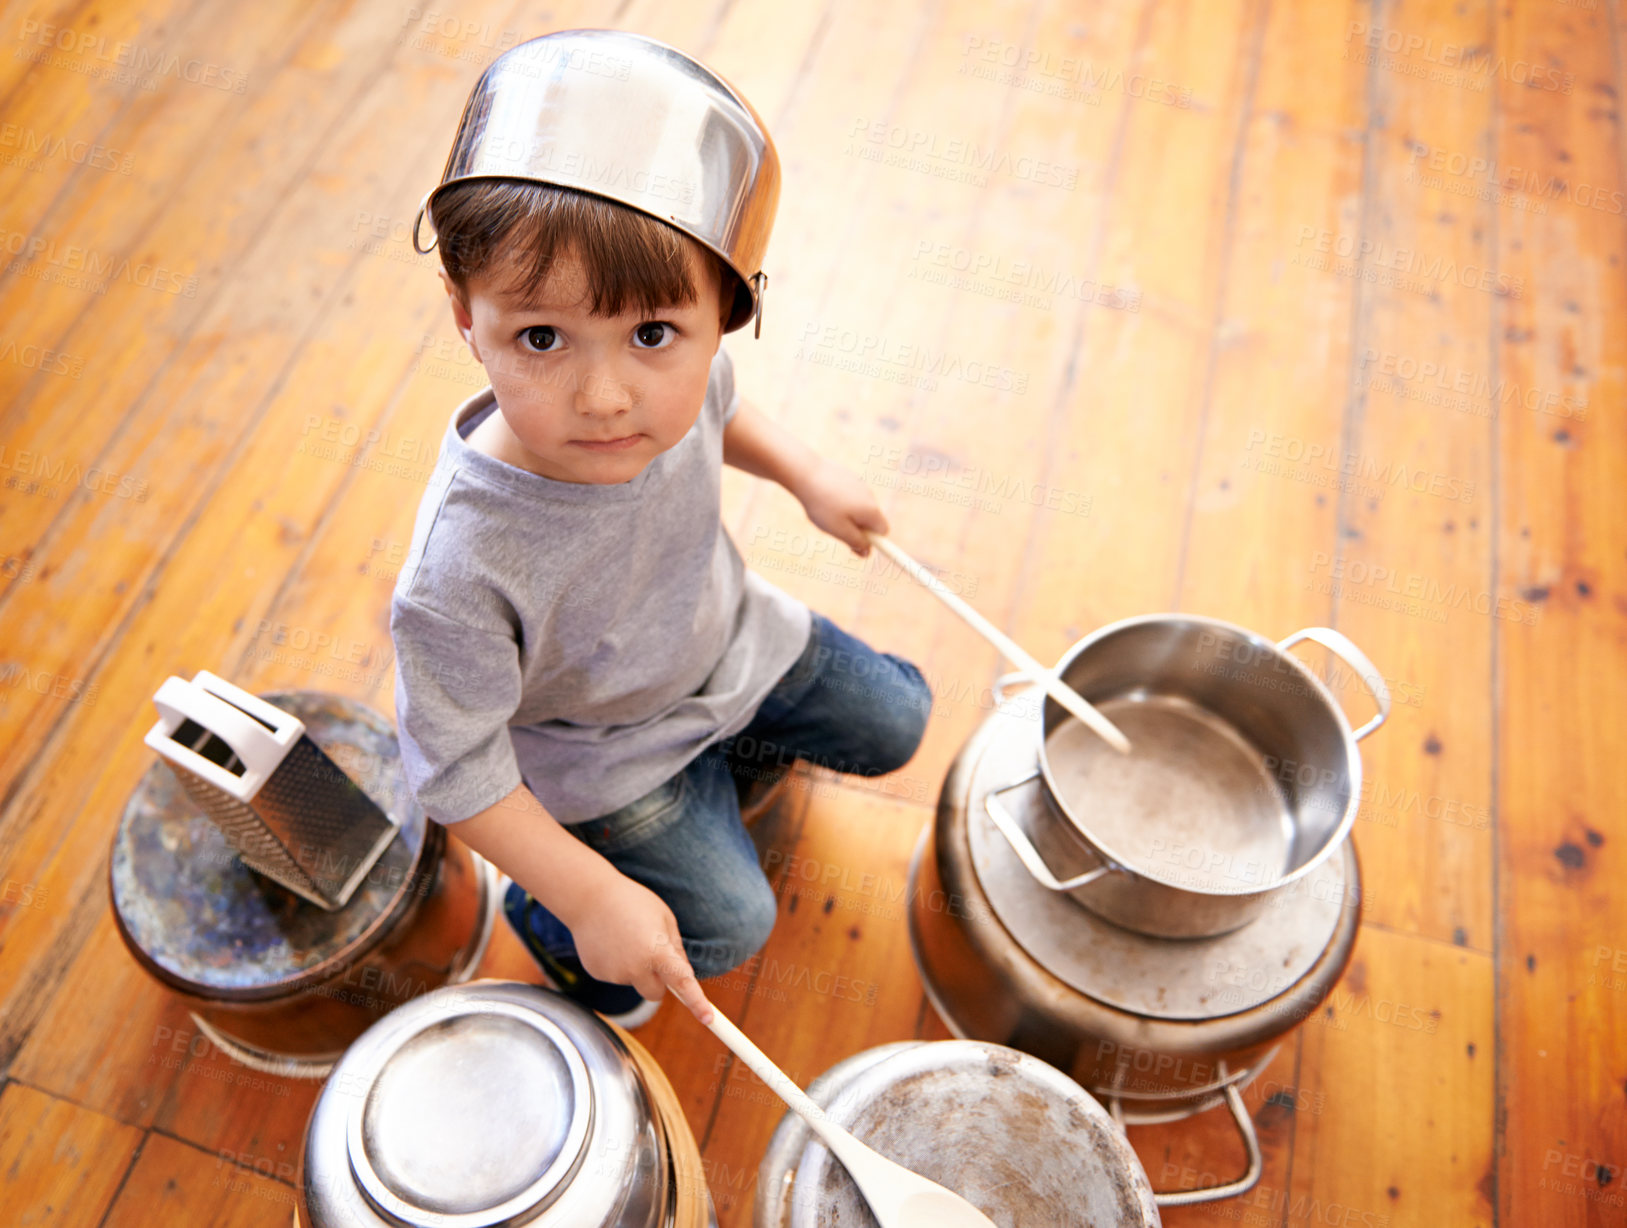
[(599, 391)]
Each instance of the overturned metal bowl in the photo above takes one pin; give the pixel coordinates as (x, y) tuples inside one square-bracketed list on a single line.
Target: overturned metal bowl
[(485, 1104), (636, 121)]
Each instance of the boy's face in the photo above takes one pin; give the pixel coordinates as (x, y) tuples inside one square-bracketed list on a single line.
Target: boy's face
[(566, 382)]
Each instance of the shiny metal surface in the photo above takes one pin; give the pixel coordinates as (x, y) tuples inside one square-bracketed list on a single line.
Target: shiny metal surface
[(1193, 979), (511, 1103), (489, 1103), (1013, 1135), (290, 812), (281, 983), (1191, 784), (987, 985), (204, 922), (1246, 777), (636, 121)]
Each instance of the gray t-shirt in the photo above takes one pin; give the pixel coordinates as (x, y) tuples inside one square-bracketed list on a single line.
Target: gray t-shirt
[(588, 640)]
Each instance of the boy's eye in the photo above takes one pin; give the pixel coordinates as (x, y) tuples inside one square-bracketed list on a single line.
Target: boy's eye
[(655, 335), (540, 338)]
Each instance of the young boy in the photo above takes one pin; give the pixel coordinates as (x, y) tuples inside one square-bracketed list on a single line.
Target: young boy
[(588, 677)]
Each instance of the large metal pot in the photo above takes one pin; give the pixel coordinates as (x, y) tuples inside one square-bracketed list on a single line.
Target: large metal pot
[(1014, 1136), (1244, 778), (492, 1103), (282, 984), (1155, 1029)]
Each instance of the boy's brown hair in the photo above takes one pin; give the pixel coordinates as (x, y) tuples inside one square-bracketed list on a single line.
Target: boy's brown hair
[(629, 258)]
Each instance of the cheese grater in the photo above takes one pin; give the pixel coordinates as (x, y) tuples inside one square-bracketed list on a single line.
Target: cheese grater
[(289, 810)]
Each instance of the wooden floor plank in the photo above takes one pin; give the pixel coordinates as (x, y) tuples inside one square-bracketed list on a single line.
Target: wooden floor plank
[(86, 607), (867, 67), (90, 444), (1410, 574), (1561, 171), (1220, 160), (1409, 1133), (174, 1183), (92, 244), (60, 1164)]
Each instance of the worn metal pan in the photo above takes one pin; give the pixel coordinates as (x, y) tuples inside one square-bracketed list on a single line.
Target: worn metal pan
[(1244, 779)]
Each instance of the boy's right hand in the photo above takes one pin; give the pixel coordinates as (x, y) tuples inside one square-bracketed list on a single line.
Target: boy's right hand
[(632, 939)]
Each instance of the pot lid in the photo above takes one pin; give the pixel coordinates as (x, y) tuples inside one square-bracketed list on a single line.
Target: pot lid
[(1013, 1135), (480, 1115), (204, 923), (1161, 978)]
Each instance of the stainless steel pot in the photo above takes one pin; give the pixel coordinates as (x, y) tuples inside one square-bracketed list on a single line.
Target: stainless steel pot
[(1155, 1029), (1014, 1136), (282, 984), (485, 1104), (627, 117), (1244, 778)]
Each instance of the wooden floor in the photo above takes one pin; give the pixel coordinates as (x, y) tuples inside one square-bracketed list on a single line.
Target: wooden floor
[(1287, 313)]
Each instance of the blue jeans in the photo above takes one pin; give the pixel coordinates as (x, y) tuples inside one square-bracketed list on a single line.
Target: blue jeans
[(841, 705)]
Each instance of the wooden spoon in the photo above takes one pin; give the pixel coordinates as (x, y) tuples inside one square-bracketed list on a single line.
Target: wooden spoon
[(898, 1198), (1013, 652)]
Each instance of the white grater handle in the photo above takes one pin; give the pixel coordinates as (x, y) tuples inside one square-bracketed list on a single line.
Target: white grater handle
[(252, 742)]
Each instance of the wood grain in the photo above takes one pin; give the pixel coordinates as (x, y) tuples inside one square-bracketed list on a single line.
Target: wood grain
[(1288, 314)]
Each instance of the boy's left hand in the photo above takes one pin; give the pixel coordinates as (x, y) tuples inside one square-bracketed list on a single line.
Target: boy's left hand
[(838, 501)]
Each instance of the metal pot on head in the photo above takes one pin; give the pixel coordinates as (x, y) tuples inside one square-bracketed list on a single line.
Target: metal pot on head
[(1244, 778)]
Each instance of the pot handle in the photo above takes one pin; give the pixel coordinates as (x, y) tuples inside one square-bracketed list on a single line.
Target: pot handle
[(1226, 1189), (1024, 848), (255, 747), (999, 685), (1341, 646)]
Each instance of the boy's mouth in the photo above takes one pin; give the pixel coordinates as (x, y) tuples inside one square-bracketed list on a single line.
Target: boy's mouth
[(608, 445)]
